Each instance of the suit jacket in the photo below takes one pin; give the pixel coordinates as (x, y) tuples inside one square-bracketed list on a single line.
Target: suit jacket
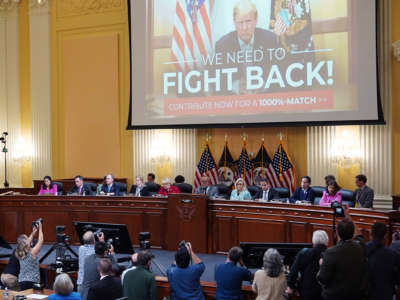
[(229, 43), (299, 194), (109, 288), (114, 189), (364, 197), (85, 190), (135, 187), (91, 276), (184, 187), (172, 190), (272, 194)]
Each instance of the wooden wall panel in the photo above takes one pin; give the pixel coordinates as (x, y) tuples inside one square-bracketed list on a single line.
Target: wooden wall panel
[(224, 237), (298, 232), (264, 231)]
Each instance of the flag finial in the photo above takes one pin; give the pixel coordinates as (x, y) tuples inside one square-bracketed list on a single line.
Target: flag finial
[(262, 138), (280, 136), (244, 136), (226, 137), (208, 137)]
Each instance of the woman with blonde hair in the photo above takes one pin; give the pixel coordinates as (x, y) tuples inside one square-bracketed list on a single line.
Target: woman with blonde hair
[(240, 192), (63, 287), (29, 272)]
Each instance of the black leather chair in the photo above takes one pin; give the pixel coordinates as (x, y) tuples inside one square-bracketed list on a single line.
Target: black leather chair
[(284, 193), (151, 189), (184, 187), (348, 197), (318, 191), (122, 188), (92, 186), (123, 298), (253, 189), (60, 188), (220, 190)]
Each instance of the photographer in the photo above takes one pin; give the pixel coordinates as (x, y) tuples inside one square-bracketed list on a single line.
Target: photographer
[(29, 273), (183, 278), (90, 272), (86, 250)]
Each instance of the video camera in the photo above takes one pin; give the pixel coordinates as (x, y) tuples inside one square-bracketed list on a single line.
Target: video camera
[(37, 222), (338, 210), (144, 240)]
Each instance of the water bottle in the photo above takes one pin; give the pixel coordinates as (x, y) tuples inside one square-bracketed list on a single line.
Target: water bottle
[(5, 294)]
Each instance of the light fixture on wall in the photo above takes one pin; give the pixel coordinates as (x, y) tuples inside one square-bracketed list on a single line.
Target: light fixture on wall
[(23, 151), (162, 150), (11, 4), (396, 50), (346, 150)]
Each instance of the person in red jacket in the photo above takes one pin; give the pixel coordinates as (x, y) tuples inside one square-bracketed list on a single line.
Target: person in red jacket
[(168, 188)]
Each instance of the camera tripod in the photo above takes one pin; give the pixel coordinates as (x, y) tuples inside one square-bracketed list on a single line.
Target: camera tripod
[(154, 261), (60, 247)]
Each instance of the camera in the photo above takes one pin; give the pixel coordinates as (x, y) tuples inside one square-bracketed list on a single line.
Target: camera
[(37, 222), (109, 243), (61, 237), (182, 244), (338, 210), (66, 264), (144, 240)]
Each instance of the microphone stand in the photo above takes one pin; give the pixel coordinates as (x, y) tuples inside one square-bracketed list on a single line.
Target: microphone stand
[(3, 139)]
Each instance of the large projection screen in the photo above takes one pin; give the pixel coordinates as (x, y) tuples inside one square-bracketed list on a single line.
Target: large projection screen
[(230, 63)]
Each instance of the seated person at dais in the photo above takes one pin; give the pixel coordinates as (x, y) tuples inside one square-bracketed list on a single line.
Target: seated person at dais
[(329, 178), (138, 188), (151, 178), (48, 187), (364, 194), (331, 194), (80, 188), (267, 193), (304, 192), (168, 188), (110, 188), (205, 183), (182, 185), (63, 289), (240, 192)]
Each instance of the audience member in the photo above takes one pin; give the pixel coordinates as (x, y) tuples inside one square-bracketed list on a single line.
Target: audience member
[(240, 192), (205, 183), (151, 178), (167, 188), (304, 192), (364, 194), (140, 283), (63, 289), (267, 192), (109, 287), (329, 178), (29, 272), (110, 188), (270, 282), (395, 245), (302, 276), (86, 250), (9, 277), (331, 194), (80, 188), (90, 273), (48, 187), (138, 188), (343, 270), (383, 266), (229, 276), (183, 278), (133, 266)]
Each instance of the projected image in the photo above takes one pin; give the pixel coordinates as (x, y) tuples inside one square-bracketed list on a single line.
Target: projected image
[(224, 61)]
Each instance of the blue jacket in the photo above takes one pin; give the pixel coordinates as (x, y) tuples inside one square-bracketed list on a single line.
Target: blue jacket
[(299, 194), (71, 296), (229, 278)]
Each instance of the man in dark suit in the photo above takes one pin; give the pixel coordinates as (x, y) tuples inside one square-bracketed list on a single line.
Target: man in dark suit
[(364, 194), (304, 192), (138, 188), (267, 193), (110, 188), (80, 188), (182, 185), (109, 287), (91, 276), (245, 41)]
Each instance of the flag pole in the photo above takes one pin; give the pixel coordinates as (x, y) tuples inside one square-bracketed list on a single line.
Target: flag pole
[(225, 150), (208, 137), (262, 156), (244, 135)]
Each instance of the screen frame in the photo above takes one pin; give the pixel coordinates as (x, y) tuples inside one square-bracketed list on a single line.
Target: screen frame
[(379, 121)]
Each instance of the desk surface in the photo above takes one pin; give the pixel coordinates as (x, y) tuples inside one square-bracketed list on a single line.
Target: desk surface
[(26, 293)]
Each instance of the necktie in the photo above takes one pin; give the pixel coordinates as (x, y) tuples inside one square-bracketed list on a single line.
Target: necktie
[(265, 195)]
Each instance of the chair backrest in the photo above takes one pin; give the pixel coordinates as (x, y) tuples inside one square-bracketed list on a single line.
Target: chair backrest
[(151, 189), (223, 191), (283, 192), (123, 298), (121, 186), (60, 188), (318, 191), (184, 187), (92, 186), (348, 197), (253, 189)]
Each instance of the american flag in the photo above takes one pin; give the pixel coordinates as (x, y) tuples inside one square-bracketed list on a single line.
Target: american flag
[(191, 37), (263, 160), (282, 23), (245, 167), (284, 168), (206, 167)]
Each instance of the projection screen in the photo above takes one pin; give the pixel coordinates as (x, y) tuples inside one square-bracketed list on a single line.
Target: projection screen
[(251, 62)]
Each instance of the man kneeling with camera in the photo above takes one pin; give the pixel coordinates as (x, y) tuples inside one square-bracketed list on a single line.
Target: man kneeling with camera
[(183, 277)]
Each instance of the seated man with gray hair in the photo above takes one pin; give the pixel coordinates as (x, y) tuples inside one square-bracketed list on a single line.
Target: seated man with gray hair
[(306, 266), (63, 289)]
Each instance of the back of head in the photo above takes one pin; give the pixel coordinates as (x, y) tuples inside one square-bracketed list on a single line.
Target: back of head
[(179, 179), (330, 178), (235, 254), (182, 257), (88, 238), (105, 266), (21, 249), (272, 263), (100, 248), (378, 231), (143, 258), (345, 229), (320, 237), (63, 285)]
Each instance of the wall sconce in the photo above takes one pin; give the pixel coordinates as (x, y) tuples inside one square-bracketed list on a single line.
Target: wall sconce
[(396, 50), (162, 150), (346, 151), (23, 151)]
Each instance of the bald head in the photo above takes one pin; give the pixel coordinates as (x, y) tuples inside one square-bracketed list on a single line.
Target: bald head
[(134, 259), (88, 238)]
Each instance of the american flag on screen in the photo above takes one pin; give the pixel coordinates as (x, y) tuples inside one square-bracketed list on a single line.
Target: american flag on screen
[(191, 37), (282, 22), (245, 166), (263, 161), (206, 167), (284, 168)]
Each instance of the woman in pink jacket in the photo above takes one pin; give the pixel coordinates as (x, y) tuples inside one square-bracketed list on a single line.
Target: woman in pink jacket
[(48, 187), (331, 194)]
